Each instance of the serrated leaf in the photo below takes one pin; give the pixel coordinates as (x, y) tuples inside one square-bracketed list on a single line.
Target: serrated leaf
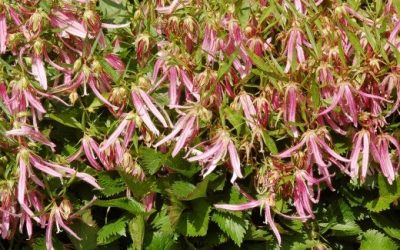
[(136, 228), (387, 195), (111, 186), (161, 241), (127, 204), (373, 240), (388, 223), (112, 232), (235, 227), (151, 160), (194, 220), (187, 191)]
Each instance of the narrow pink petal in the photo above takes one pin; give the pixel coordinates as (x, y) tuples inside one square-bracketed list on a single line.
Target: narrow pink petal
[(312, 146), (68, 24), (354, 157), (92, 85), (235, 161), (351, 104), (365, 156), (114, 136), (49, 231), (33, 102), (186, 133), (330, 151), (177, 128), (288, 153), (208, 153), (149, 103), (39, 71), (168, 9), (3, 33), (90, 155), (42, 167), (115, 26), (336, 98), (142, 112), (173, 85), (290, 50), (240, 207), (271, 223), (60, 222)]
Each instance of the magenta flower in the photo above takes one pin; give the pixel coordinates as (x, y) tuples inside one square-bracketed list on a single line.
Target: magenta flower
[(220, 145)]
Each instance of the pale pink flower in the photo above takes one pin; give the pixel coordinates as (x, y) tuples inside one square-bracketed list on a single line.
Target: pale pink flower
[(127, 125), (245, 102), (175, 4), (262, 203), (3, 33), (314, 142), (220, 145), (187, 126), (144, 103), (56, 217), (290, 110), (294, 45), (68, 24), (380, 150), (28, 132)]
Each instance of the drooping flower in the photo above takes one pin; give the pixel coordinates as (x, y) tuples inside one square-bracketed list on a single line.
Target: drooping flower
[(143, 103), (266, 203), (295, 44), (187, 126), (313, 139), (220, 145), (290, 110), (28, 132), (68, 23), (380, 148)]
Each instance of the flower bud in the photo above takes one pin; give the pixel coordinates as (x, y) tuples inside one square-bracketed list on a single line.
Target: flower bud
[(65, 209), (73, 97), (38, 47), (77, 65)]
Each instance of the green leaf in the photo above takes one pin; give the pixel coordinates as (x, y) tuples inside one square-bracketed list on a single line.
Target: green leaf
[(151, 160), (127, 204), (136, 229), (269, 142), (111, 232), (194, 220), (348, 228), (109, 70), (315, 96), (387, 195), (87, 233), (110, 186), (65, 118), (234, 118), (235, 227), (373, 240), (388, 223), (161, 241), (187, 191)]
